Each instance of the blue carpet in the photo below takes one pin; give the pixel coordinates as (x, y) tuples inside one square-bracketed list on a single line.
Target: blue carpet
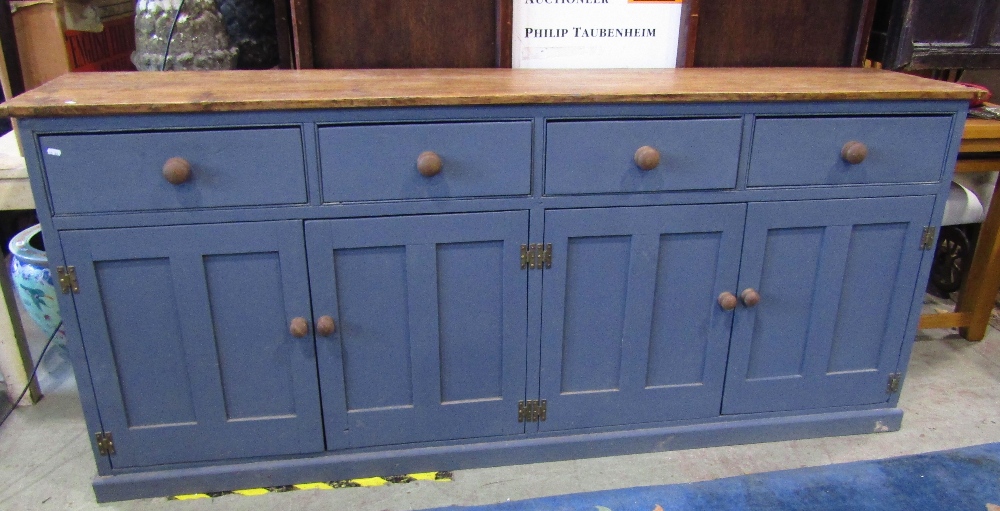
[(962, 479)]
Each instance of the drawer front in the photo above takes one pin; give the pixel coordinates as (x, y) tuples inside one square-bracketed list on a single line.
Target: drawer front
[(600, 156), (798, 151), (379, 162), (124, 171)]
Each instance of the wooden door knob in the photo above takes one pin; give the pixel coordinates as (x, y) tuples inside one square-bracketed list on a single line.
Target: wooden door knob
[(325, 326), (647, 158), (176, 170), (299, 327), (854, 152), (429, 163), (728, 301), (750, 297)]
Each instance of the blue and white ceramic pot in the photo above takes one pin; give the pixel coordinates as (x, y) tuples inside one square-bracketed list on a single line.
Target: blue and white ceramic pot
[(29, 270)]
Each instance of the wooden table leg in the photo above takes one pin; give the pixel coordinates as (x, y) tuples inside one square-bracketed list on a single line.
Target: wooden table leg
[(983, 281), (15, 359)]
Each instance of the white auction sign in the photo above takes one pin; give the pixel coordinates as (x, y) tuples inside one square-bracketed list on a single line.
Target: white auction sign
[(595, 33)]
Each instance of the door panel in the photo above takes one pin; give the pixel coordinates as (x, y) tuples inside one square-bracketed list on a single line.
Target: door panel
[(130, 322), (431, 315), (592, 347), (460, 298), (836, 279), (188, 340), (632, 331), (373, 312), (249, 361)]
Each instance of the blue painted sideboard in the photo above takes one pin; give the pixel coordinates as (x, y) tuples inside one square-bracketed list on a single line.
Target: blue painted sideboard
[(308, 303)]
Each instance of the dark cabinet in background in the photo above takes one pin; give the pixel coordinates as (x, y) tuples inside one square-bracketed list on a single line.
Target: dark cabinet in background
[(934, 34), (341, 34), (808, 33), (477, 33)]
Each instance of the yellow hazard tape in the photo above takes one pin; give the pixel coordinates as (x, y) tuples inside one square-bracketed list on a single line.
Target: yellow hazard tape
[(370, 481), (252, 491), (313, 486), (332, 485), (192, 496), (423, 476)]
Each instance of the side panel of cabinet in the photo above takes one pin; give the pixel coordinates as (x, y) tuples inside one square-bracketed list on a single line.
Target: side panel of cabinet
[(186, 332), (431, 320), (632, 329), (835, 278)]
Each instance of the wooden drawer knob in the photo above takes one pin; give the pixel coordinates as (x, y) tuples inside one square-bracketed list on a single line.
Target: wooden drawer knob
[(325, 326), (750, 297), (728, 301), (854, 152), (299, 327), (429, 163), (177, 170), (647, 158)]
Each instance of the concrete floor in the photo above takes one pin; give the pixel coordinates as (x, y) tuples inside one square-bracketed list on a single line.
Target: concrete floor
[(950, 399)]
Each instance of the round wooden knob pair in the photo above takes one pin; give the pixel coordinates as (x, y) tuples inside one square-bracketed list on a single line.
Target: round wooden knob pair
[(749, 297), (854, 152), (299, 327), (176, 170), (429, 164), (647, 158)]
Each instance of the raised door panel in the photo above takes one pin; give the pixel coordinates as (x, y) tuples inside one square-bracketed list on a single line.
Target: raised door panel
[(186, 332), (632, 331), (836, 280), (431, 319)]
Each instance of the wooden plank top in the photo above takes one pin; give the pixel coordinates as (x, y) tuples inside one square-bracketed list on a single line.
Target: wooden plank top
[(220, 91)]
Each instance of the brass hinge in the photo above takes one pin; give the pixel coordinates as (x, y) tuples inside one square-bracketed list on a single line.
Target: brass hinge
[(67, 279), (927, 241), (531, 411), (105, 443), (894, 381), (536, 256)]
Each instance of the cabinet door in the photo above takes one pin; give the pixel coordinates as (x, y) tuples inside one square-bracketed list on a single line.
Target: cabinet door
[(631, 327), (836, 280), (431, 318), (187, 336)]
